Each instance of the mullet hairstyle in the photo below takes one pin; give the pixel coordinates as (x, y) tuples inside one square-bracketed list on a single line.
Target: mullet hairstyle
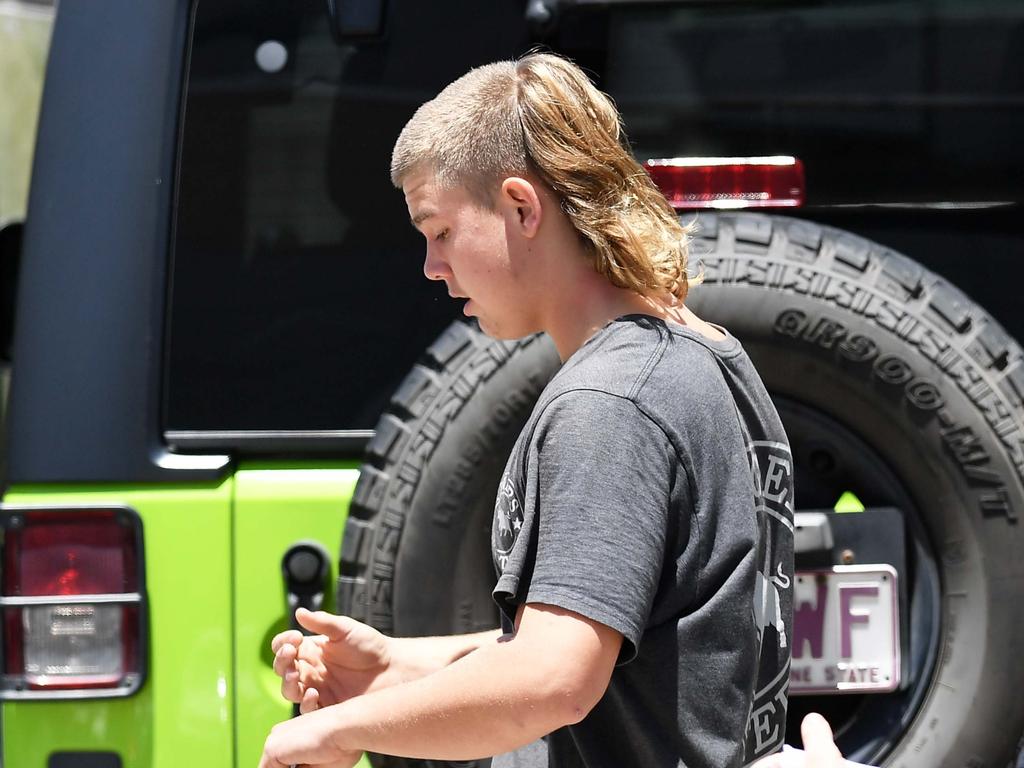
[(541, 115)]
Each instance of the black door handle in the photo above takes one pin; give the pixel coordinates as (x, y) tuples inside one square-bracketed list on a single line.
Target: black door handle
[(306, 568)]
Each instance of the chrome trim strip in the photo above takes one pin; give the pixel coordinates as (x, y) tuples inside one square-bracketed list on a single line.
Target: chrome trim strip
[(173, 435), (107, 599), (697, 162), (129, 685)]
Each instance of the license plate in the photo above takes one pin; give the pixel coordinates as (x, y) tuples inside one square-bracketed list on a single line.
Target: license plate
[(846, 630)]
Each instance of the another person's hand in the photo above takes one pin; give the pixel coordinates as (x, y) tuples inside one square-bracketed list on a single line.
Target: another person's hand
[(345, 658), (820, 750)]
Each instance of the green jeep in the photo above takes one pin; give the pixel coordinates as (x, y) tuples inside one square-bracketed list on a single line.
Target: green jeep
[(225, 355)]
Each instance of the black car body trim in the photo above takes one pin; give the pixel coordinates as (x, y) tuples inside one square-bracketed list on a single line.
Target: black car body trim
[(89, 330)]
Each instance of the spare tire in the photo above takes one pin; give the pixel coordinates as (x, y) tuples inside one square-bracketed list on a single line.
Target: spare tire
[(891, 383)]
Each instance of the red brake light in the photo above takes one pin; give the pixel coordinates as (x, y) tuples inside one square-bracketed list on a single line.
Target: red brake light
[(72, 602), (729, 182), (70, 553)]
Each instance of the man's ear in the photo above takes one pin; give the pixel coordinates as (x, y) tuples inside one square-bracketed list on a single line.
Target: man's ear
[(520, 199)]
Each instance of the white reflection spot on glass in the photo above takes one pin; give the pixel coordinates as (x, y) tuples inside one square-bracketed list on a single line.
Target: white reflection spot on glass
[(271, 56)]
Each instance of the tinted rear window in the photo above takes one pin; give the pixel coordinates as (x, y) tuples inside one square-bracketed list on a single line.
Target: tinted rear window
[(298, 301), (298, 296)]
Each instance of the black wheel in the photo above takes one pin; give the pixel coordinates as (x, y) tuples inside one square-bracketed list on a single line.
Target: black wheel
[(892, 385), (914, 393)]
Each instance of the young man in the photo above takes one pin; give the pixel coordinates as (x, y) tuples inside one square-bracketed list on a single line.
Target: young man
[(643, 527)]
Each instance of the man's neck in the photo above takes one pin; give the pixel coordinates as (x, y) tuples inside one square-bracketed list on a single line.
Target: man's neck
[(574, 301), (592, 302), (585, 306)]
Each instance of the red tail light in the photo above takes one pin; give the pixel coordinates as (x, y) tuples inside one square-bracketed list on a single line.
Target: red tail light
[(72, 602), (729, 182)]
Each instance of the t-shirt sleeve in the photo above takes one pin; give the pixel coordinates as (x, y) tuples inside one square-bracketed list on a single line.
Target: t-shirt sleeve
[(602, 483)]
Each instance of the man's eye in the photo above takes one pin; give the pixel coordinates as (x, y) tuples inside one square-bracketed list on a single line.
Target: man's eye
[(442, 235)]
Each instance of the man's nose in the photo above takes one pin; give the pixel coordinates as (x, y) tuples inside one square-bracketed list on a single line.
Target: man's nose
[(435, 267)]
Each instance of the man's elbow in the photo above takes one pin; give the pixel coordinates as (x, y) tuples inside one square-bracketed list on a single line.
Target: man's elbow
[(570, 659), (573, 691)]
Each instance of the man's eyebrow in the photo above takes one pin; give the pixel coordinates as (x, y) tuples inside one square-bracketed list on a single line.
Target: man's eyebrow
[(419, 218)]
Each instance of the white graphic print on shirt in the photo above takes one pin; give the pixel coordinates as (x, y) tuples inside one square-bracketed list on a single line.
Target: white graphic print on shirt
[(508, 519), (771, 466)]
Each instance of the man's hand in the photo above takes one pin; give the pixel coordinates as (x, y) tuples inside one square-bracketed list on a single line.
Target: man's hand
[(345, 658), (304, 741), (820, 750)]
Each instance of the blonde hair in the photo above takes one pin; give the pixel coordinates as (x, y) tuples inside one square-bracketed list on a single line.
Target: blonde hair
[(542, 115)]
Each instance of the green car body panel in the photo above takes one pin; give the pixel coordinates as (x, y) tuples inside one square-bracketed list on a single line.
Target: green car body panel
[(210, 694), (275, 505)]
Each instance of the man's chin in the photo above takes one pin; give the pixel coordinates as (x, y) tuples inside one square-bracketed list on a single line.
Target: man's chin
[(491, 331), (501, 334)]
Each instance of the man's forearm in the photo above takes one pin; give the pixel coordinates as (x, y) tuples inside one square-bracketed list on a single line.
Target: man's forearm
[(421, 656), (491, 701)]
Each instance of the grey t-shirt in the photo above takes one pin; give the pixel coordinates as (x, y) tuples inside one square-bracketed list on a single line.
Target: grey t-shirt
[(651, 491)]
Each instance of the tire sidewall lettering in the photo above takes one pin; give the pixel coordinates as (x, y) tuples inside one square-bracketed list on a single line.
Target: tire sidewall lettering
[(827, 333)]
